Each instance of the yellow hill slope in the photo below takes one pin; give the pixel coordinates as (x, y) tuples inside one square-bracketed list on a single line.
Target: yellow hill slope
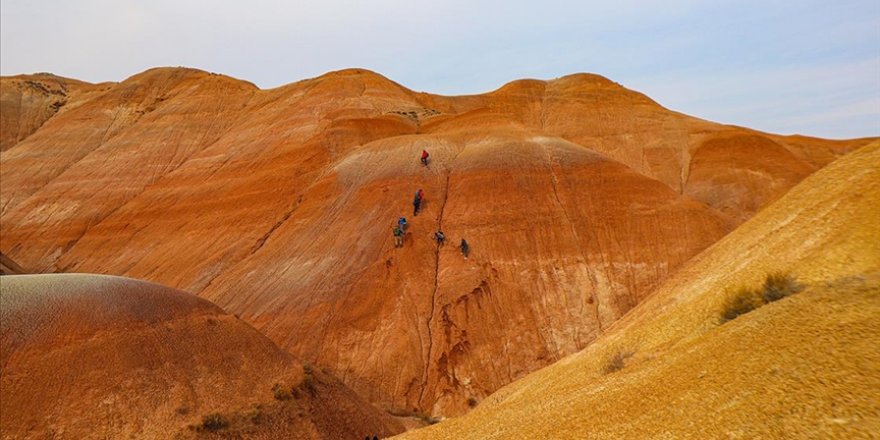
[(806, 366)]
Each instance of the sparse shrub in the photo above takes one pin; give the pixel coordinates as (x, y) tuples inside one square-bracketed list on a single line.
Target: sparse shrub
[(182, 410), (743, 301), (616, 362), (778, 285), (214, 422), (472, 402), (281, 392), (308, 383)]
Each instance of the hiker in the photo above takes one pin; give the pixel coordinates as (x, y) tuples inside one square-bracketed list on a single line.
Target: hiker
[(398, 236), (425, 158), (401, 223), (417, 202), (440, 237), (465, 248)]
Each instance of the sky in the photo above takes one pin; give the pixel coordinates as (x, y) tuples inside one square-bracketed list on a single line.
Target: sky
[(805, 66)]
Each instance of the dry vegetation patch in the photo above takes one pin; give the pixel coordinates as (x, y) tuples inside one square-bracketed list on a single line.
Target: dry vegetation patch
[(616, 362), (777, 285)]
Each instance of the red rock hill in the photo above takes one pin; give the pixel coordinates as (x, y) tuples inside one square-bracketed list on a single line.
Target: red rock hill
[(578, 197), (91, 356)]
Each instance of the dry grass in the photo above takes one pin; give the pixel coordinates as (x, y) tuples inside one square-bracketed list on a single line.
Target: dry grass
[(308, 384), (777, 285), (214, 422), (280, 392), (616, 362), (743, 301)]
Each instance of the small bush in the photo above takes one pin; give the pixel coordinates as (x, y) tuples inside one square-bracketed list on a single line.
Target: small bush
[(281, 392), (616, 362), (778, 285), (214, 422), (308, 384), (743, 301), (183, 410), (472, 402)]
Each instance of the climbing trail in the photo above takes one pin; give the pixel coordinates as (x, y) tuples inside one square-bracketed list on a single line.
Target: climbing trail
[(436, 285)]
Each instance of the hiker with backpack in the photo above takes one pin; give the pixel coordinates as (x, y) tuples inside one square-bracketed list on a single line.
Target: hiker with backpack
[(440, 237), (425, 156), (401, 223), (417, 202), (398, 236), (465, 248)]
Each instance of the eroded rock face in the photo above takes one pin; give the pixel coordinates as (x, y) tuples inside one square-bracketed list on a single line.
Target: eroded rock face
[(91, 356), (30, 100), (577, 196), (677, 366)]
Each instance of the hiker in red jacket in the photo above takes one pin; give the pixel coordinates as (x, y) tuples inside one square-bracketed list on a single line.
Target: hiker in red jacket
[(425, 158)]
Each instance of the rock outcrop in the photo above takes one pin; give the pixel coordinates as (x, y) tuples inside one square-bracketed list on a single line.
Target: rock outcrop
[(677, 366), (578, 197), (30, 100), (93, 356)]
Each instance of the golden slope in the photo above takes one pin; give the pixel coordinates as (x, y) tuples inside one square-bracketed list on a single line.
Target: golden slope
[(803, 367)]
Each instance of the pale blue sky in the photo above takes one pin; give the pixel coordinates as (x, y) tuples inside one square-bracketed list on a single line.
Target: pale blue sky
[(810, 67)]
